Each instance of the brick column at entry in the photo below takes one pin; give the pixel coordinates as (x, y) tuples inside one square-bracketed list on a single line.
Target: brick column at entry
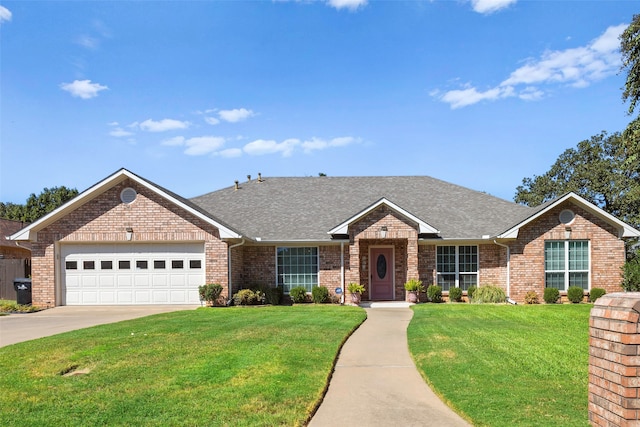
[(614, 360)]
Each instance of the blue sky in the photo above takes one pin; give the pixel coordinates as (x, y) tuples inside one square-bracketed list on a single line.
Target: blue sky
[(194, 95)]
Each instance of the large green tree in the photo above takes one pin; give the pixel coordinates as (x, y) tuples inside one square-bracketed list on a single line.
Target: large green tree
[(600, 169), (630, 49), (38, 206)]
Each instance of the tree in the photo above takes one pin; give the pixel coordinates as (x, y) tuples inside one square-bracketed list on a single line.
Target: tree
[(38, 206), (630, 49), (599, 169)]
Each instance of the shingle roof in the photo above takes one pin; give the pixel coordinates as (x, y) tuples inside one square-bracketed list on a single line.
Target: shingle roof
[(289, 209)]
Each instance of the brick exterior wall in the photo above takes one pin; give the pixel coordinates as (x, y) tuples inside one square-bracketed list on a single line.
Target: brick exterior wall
[(258, 268), (104, 219), (527, 253), (614, 360)]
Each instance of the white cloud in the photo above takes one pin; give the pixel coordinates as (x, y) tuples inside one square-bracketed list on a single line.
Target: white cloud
[(576, 67), (203, 145), (490, 6), (83, 88), (261, 147), (211, 120), (321, 144), (347, 4), (230, 152), (5, 14), (176, 140), (236, 115), (87, 41), (196, 146), (118, 132), (163, 125)]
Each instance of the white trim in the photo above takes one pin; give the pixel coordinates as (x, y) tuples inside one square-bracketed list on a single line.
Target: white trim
[(423, 227), (299, 246), (457, 265), (566, 271), (30, 232), (624, 229)]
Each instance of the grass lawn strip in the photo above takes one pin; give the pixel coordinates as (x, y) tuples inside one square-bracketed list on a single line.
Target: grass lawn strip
[(502, 365), (229, 366)]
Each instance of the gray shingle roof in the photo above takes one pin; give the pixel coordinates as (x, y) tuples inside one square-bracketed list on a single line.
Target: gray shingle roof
[(289, 209)]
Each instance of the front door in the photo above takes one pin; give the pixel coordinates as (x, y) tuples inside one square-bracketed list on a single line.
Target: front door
[(381, 273)]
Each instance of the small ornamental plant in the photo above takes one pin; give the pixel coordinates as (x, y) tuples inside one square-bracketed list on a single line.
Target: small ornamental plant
[(455, 295), (575, 294), (413, 285), (210, 293), (596, 293), (531, 297), (298, 294), (489, 294), (434, 293), (551, 295), (470, 292), (320, 294), (355, 288)]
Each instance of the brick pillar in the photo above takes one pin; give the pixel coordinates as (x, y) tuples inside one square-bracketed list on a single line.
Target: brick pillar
[(614, 360)]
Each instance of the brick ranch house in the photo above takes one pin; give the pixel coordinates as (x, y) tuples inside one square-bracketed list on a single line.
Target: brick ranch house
[(127, 240)]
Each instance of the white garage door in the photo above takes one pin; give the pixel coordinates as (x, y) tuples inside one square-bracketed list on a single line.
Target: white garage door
[(132, 274)]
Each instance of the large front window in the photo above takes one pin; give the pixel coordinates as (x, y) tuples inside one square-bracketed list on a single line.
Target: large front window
[(566, 263), (457, 267), (297, 267)]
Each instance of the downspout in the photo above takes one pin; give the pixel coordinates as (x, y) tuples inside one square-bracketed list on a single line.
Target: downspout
[(230, 285), (342, 272), (509, 300)]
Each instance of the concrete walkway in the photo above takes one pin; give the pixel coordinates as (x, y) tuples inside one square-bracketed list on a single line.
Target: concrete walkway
[(376, 383), (17, 328)]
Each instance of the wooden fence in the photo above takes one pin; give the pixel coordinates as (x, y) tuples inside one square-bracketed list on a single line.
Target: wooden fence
[(9, 270)]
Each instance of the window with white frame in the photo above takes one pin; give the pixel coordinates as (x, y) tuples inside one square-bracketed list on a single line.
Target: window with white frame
[(297, 266), (457, 267), (566, 263)]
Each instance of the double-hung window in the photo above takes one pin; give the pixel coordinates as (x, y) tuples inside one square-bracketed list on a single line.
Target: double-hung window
[(297, 266), (457, 267), (566, 263)]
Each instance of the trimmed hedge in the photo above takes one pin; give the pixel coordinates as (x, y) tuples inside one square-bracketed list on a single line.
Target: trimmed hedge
[(596, 293), (575, 294), (434, 293), (551, 295)]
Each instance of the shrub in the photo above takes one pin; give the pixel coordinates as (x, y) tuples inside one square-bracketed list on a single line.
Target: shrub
[(434, 293), (210, 292), (470, 292), (272, 295), (596, 293), (531, 297), (575, 294), (319, 294), (298, 294), (8, 306), (248, 297), (455, 294), (551, 295), (489, 294)]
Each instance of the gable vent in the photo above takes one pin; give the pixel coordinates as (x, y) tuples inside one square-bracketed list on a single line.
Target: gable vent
[(567, 216), (128, 195)]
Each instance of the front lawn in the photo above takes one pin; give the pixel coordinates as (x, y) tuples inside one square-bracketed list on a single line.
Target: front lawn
[(225, 366), (502, 365)]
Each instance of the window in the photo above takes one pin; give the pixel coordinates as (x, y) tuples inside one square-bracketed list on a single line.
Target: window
[(457, 267), (88, 265), (159, 264), (195, 263), (124, 265), (297, 267), (71, 265), (106, 265), (142, 265), (177, 264), (566, 263)]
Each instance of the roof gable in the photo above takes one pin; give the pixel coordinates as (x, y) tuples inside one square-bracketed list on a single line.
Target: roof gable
[(624, 229), (423, 227), (86, 196)]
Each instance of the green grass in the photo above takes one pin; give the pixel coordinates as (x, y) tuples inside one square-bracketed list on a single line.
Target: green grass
[(8, 306), (226, 366), (502, 365)]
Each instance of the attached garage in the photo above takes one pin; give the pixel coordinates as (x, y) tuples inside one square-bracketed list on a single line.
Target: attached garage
[(131, 273)]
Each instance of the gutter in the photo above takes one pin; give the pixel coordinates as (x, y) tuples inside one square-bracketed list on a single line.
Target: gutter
[(230, 284), (509, 300), (342, 272)]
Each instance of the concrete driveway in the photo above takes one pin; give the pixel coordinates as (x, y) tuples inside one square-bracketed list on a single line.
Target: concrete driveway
[(17, 328)]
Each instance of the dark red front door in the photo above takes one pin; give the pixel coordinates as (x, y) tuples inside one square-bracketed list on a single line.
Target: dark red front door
[(381, 269)]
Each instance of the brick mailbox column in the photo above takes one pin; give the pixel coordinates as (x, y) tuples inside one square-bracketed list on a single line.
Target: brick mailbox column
[(614, 360)]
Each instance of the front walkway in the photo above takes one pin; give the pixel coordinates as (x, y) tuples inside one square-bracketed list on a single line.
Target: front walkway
[(376, 383)]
